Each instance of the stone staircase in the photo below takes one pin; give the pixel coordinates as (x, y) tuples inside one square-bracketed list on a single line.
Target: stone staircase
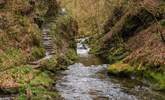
[(48, 45), (48, 42)]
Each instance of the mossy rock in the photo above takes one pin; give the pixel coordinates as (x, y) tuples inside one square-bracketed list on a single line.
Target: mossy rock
[(120, 69)]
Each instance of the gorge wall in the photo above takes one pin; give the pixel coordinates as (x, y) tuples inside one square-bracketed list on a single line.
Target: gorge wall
[(133, 40), (21, 24)]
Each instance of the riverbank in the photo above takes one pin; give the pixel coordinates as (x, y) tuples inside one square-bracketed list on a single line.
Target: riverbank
[(133, 42), (88, 79), (23, 75)]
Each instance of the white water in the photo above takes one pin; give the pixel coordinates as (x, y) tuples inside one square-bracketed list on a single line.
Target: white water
[(81, 82), (88, 80)]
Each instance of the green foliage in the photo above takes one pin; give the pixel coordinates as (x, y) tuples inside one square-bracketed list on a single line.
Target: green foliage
[(21, 21), (62, 26), (42, 79), (14, 78), (95, 46), (50, 64), (37, 53), (11, 57), (158, 80), (57, 63), (116, 54), (162, 22), (72, 55), (63, 61), (29, 83), (43, 94), (38, 88)]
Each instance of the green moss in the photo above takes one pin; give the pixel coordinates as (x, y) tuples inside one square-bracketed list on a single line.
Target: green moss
[(155, 78), (120, 69)]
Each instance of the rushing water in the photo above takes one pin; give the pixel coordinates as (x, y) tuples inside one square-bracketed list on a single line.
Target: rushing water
[(88, 80)]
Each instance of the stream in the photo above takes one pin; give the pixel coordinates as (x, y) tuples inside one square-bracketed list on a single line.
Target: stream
[(87, 79)]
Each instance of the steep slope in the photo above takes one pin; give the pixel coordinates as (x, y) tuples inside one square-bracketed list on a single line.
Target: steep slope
[(134, 40), (21, 24), (20, 33)]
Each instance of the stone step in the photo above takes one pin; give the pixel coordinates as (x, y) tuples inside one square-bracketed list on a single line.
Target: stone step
[(50, 52), (45, 31), (48, 42), (48, 45), (46, 35), (46, 39), (49, 48), (53, 53)]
